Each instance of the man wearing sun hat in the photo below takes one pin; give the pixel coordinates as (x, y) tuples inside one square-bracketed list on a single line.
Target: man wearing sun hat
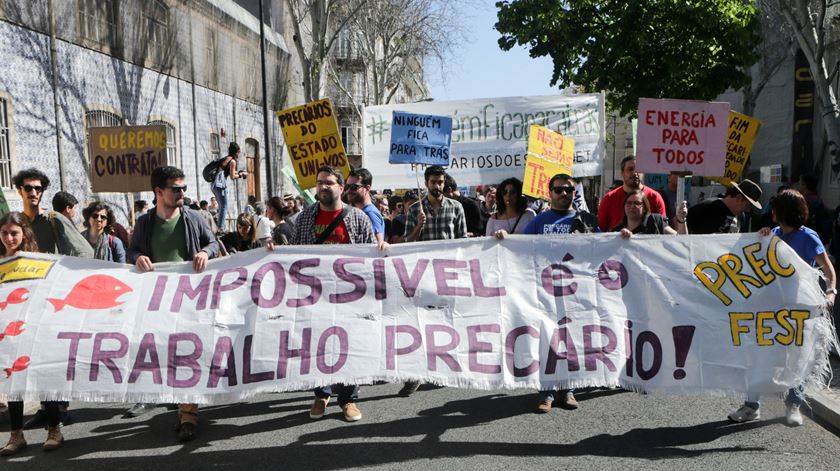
[(720, 215)]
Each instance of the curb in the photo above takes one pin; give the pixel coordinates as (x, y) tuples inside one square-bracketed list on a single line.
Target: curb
[(826, 406)]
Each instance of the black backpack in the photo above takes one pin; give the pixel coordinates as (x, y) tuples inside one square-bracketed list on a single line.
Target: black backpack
[(209, 172)]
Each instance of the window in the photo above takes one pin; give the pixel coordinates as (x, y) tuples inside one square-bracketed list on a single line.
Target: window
[(156, 23), (359, 88), (5, 146), (348, 136), (342, 50), (171, 143), (98, 119), (215, 150), (346, 86), (96, 21)]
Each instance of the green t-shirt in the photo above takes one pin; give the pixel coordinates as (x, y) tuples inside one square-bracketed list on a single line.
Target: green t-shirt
[(169, 240)]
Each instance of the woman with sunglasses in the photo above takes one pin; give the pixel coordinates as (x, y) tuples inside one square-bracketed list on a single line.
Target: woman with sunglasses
[(99, 222), (17, 236), (512, 212), (638, 218), (244, 238)]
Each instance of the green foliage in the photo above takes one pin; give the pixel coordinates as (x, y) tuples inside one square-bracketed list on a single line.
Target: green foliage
[(688, 49)]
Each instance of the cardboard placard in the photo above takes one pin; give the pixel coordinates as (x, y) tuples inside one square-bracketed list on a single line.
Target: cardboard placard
[(682, 136), (311, 135), (742, 133), (549, 153), (420, 139), (122, 158)]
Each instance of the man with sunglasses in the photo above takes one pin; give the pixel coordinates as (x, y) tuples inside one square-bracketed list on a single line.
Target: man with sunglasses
[(56, 234), (170, 232), (611, 209), (560, 219), (357, 189)]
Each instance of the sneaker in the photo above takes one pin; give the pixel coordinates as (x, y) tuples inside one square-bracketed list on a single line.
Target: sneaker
[(54, 439), (16, 443), (544, 406), (792, 416), (318, 407), (568, 401), (745, 414), (409, 388), (39, 420), (351, 412), (186, 431), (139, 409)]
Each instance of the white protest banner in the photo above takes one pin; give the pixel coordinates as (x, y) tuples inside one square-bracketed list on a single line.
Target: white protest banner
[(682, 136), (490, 136), (680, 314)]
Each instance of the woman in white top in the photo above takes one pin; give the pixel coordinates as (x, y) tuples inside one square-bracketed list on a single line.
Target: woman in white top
[(512, 212)]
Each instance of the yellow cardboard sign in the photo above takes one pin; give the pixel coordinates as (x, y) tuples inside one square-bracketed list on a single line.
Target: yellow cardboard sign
[(22, 268), (549, 153), (312, 137), (742, 133), (123, 157)]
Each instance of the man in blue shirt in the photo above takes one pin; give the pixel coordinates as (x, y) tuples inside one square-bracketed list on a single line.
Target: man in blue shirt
[(357, 189), (560, 219)]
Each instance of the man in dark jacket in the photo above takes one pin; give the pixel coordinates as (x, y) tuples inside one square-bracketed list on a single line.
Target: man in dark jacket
[(169, 232)]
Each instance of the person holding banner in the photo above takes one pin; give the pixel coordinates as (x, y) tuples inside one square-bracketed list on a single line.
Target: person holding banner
[(720, 215), (357, 190), (611, 210), (169, 232), (790, 210), (332, 222), (560, 219), (16, 235), (512, 212), (639, 220), (244, 237)]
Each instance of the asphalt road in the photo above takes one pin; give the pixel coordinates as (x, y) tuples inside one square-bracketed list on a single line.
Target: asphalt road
[(442, 428)]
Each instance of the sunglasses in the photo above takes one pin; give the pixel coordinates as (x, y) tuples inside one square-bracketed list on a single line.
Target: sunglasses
[(178, 189), (99, 217), (29, 188), (352, 187), (563, 189)]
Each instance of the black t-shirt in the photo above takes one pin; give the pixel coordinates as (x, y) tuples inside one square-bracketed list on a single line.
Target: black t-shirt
[(234, 243), (711, 217), (472, 213), (397, 226), (652, 224)]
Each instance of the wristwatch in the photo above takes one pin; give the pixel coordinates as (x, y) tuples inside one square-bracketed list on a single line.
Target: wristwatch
[(831, 291)]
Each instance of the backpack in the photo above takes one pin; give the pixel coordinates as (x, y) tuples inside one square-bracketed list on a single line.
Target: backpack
[(209, 172)]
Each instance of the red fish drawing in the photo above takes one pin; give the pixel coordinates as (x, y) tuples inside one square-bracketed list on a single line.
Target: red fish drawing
[(15, 297), (20, 364), (93, 292), (13, 329)]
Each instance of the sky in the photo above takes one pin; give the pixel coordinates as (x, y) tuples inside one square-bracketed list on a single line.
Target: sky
[(479, 69)]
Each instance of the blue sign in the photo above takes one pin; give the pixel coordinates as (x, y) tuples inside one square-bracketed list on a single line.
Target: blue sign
[(420, 139)]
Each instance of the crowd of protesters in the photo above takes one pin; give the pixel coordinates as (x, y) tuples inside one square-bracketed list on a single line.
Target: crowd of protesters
[(174, 228)]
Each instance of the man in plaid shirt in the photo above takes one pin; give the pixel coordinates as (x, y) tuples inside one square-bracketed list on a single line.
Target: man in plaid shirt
[(434, 217), (354, 228)]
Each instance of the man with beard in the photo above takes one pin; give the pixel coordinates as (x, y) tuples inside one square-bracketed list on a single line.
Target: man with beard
[(611, 210), (435, 217), (560, 219), (170, 232), (357, 190), (332, 222)]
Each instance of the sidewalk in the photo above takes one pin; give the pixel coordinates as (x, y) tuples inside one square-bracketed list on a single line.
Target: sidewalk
[(825, 404)]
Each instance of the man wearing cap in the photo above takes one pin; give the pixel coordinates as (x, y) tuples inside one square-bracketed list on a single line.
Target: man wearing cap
[(291, 202), (720, 215)]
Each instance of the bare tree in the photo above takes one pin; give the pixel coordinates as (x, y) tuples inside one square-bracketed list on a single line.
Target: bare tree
[(810, 26)]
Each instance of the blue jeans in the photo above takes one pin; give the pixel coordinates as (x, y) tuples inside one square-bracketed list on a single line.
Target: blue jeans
[(347, 393), (549, 393), (221, 214), (794, 397)]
